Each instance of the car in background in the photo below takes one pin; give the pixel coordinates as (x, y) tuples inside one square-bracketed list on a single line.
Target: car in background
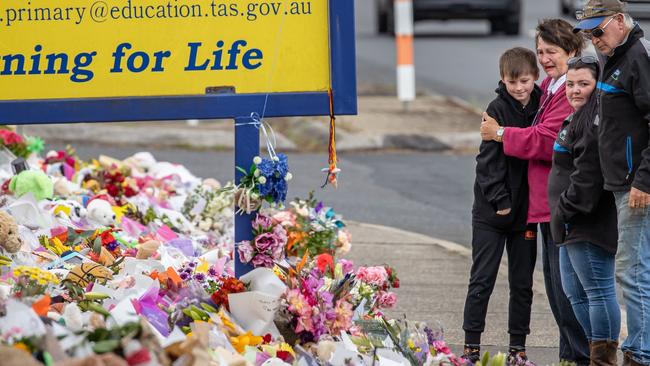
[(504, 15), (638, 9)]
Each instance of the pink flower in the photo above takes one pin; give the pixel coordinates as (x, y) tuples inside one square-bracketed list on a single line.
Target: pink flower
[(285, 218), (281, 233), (262, 222), (10, 137), (347, 266), (267, 241), (262, 260), (343, 320), (441, 347), (386, 300), (245, 251), (375, 276)]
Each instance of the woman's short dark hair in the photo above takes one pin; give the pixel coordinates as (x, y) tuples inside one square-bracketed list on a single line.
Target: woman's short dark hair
[(560, 33)]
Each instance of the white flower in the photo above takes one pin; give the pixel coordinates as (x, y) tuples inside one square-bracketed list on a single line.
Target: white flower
[(257, 173), (275, 158), (262, 180), (257, 160), (288, 177)]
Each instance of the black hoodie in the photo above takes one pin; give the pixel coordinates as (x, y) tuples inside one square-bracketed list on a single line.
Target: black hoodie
[(625, 113), (581, 210), (502, 181)]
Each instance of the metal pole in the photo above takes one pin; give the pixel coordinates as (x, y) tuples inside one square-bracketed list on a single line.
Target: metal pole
[(247, 146), (404, 49)]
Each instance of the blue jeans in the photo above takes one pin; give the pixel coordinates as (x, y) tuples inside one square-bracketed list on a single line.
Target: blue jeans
[(633, 274), (589, 283)]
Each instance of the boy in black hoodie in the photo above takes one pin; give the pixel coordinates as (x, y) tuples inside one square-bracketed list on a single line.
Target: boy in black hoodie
[(500, 211)]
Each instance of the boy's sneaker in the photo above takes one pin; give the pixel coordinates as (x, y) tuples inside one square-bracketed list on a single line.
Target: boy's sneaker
[(471, 354), (518, 358)]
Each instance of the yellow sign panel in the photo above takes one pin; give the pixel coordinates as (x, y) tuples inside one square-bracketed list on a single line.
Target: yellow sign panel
[(52, 49)]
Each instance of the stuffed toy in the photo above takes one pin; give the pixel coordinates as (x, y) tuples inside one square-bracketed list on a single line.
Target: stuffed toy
[(9, 238), (147, 249), (34, 181), (101, 212)]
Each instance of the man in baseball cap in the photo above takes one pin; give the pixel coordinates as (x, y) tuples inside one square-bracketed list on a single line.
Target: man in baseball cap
[(595, 11), (623, 134)]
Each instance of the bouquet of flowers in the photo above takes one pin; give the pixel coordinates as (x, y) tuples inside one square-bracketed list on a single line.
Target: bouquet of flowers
[(209, 209), (32, 281), (266, 180), (317, 303), (373, 285), (20, 146), (313, 228), (268, 245)]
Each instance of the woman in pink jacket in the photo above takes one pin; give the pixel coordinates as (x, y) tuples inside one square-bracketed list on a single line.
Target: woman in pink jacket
[(555, 43)]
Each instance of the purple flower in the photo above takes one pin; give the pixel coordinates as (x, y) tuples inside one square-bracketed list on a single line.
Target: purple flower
[(348, 266), (319, 207), (184, 276), (188, 270), (262, 223), (262, 260), (245, 251), (199, 277), (267, 242), (112, 246), (213, 272), (191, 264), (281, 233)]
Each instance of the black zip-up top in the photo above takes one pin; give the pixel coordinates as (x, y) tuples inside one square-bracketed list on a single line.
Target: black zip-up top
[(625, 113), (581, 210), (502, 181)]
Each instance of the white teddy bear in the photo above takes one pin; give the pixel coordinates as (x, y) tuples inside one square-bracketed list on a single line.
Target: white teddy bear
[(101, 212)]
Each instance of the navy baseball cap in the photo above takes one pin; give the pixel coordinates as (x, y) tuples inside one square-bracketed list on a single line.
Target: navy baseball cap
[(595, 11)]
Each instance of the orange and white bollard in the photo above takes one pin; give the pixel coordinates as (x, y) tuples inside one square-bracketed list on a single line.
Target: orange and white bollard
[(404, 48)]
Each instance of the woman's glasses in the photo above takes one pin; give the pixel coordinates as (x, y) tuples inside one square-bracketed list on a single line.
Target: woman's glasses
[(596, 32), (586, 59)]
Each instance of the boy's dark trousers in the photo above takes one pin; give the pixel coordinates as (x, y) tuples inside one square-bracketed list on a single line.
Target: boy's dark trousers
[(487, 250)]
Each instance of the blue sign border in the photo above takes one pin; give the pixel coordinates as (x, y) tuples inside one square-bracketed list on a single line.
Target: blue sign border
[(216, 106)]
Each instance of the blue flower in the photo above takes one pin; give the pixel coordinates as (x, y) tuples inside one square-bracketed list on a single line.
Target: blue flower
[(282, 165), (266, 167)]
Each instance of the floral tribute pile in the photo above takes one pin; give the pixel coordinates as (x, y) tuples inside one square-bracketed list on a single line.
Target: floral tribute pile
[(130, 262)]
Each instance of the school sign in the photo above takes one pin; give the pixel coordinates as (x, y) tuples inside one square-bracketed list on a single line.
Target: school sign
[(110, 60)]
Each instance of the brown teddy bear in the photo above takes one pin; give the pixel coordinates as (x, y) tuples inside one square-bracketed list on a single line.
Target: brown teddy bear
[(9, 238)]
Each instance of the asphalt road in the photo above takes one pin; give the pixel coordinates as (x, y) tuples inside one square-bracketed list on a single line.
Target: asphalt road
[(428, 193), (457, 58)]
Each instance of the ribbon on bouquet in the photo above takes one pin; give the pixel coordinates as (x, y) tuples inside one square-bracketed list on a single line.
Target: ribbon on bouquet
[(270, 139)]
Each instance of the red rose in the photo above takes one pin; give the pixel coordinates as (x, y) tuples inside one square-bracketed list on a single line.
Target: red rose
[(324, 261), (113, 190)]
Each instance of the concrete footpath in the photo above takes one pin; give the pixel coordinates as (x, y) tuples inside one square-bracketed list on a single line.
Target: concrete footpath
[(434, 274)]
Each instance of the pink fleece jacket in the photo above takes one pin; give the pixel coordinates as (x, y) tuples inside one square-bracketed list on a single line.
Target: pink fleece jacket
[(535, 144)]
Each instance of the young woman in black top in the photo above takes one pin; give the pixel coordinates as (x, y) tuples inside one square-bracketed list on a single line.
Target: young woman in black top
[(583, 216)]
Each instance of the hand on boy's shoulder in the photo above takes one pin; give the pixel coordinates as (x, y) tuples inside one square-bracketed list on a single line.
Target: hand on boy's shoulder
[(504, 212)]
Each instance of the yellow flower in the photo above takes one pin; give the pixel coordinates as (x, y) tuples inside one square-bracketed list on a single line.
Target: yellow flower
[(22, 346), (247, 339)]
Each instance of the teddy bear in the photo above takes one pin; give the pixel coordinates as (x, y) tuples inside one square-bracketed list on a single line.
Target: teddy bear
[(101, 211), (9, 237)]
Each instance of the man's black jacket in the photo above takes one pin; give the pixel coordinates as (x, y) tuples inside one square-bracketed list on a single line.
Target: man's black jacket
[(624, 116)]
